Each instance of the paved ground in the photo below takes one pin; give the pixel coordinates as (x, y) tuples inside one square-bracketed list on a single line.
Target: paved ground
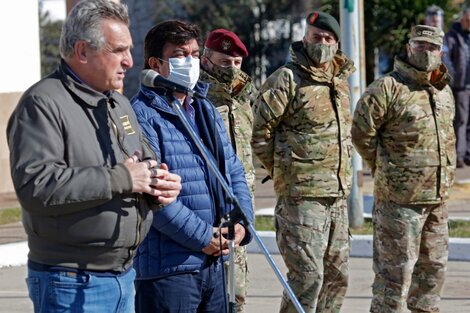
[(265, 290), (459, 202)]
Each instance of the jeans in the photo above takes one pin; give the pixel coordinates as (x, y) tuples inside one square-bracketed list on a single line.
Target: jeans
[(183, 293), (80, 292)]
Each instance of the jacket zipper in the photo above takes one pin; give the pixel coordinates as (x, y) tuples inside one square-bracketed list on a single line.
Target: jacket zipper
[(139, 219)]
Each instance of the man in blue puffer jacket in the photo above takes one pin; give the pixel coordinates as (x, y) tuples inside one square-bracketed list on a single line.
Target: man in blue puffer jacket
[(179, 268)]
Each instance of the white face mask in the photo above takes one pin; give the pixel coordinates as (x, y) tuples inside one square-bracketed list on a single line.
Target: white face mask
[(184, 71)]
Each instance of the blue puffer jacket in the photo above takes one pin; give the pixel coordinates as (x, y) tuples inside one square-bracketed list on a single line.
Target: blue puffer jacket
[(182, 229)]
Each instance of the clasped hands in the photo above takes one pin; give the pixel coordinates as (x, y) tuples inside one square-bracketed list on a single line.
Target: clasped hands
[(153, 180)]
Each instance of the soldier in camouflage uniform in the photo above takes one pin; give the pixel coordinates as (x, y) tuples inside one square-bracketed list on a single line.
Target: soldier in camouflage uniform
[(302, 135), (231, 91), (402, 127)]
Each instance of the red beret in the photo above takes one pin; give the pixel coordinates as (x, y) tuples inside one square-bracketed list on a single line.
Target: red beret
[(226, 42)]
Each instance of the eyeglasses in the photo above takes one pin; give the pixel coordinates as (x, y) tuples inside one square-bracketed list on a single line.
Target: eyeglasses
[(424, 46)]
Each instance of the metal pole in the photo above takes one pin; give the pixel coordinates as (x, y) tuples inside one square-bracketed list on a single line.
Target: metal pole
[(350, 44), (238, 209), (231, 272)]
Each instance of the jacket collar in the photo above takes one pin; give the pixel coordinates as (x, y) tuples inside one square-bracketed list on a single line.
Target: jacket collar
[(160, 99), (80, 89), (439, 78)]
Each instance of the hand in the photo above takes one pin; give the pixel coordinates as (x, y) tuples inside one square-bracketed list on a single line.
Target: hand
[(240, 232), (159, 183), (140, 173), (165, 185), (215, 248)]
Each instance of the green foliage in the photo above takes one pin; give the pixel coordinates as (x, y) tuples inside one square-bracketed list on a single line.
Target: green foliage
[(249, 19), (49, 32), (387, 23), (10, 215)]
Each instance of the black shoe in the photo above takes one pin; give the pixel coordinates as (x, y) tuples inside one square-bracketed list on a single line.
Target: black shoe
[(460, 163), (467, 161)]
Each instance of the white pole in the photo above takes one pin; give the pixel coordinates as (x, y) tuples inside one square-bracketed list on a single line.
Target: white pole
[(350, 44)]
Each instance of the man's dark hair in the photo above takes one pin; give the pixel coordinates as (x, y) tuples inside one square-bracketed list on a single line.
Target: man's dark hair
[(172, 31)]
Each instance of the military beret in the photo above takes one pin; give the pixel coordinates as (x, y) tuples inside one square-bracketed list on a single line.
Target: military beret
[(427, 33), (324, 21), (226, 42)]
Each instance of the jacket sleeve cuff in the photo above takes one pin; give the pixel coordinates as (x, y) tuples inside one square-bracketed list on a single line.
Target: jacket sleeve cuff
[(121, 180), (153, 203), (248, 236)]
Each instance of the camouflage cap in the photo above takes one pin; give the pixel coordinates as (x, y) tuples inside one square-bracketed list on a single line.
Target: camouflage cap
[(427, 33)]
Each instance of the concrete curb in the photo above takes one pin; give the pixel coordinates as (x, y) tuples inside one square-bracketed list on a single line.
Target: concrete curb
[(16, 254), (361, 246)]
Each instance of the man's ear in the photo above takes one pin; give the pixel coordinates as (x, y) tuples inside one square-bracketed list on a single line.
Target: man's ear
[(407, 49), (81, 51), (154, 63)]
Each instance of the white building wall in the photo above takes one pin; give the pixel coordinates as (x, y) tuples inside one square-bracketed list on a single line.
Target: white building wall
[(20, 55), (19, 64)]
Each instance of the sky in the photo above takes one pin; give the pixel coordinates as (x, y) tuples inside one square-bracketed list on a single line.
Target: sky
[(56, 8)]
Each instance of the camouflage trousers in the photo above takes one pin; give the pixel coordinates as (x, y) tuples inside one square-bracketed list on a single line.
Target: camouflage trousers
[(241, 277), (410, 257), (313, 238)]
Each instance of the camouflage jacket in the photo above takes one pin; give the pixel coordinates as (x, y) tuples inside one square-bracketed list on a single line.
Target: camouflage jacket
[(234, 105), (403, 129), (302, 127)]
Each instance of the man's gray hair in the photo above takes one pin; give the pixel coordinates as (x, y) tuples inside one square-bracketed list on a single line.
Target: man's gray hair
[(84, 23)]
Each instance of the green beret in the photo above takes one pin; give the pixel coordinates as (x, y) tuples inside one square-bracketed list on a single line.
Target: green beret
[(324, 21)]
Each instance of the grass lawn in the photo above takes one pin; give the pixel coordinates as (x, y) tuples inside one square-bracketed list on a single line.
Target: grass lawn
[(10, 215), (456, 228)]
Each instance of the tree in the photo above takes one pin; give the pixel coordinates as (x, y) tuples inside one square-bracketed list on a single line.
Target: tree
[(387, 24), (49, 33), (251, 20)]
